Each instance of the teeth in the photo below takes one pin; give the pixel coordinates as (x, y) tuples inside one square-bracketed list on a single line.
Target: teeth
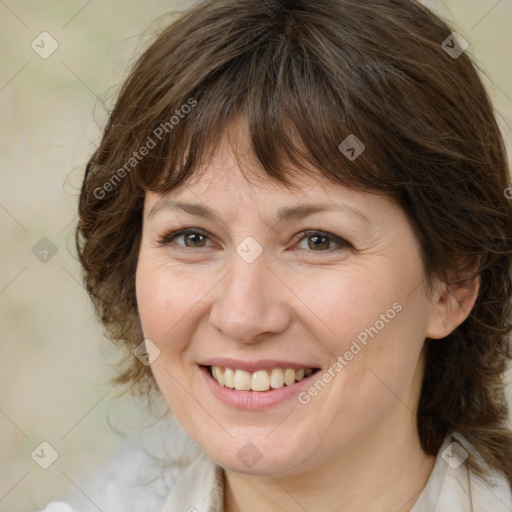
[(261, 380), (289, 376), (229, 377), (242, 380), (218, 375), (276, 378)]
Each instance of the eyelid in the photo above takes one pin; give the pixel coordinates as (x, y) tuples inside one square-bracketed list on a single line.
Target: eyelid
[(310, 232), (167, 238)]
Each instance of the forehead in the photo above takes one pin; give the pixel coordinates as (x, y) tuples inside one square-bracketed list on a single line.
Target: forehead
[(224, 192), (233, 180), (233, 168), (234, 164)]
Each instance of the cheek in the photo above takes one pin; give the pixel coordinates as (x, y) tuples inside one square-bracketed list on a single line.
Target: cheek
[(167, 301), (371, 317), (165, 297), (346, 304)]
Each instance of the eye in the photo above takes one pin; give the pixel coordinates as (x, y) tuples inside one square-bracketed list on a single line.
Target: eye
[(193, 238), (319, 241)]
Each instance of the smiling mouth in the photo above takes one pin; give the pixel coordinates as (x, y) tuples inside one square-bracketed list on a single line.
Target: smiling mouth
[(261, 380)]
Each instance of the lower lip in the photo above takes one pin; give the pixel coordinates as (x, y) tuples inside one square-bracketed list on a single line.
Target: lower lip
[(253, 400)]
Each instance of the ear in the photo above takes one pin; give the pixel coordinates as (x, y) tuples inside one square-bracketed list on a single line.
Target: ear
[(451, 305)]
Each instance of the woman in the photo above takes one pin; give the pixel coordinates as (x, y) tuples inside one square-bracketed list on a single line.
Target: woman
[(300, 208)]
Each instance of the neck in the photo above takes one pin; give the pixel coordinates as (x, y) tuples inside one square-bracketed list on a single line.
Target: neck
[(384, 471)]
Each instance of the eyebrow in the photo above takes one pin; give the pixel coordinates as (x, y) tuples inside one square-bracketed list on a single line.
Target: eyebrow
[(285, 213)]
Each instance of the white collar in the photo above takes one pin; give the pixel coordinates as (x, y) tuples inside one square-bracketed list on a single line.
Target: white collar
[(450, 488), (453, 487), (200, 488)]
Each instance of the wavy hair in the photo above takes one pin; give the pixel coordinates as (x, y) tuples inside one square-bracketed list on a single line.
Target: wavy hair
[(305, 75)]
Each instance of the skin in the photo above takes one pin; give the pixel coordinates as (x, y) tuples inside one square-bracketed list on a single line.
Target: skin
[(355, 445)]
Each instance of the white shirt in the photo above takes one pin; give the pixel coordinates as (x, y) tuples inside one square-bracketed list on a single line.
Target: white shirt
[(152, 480)]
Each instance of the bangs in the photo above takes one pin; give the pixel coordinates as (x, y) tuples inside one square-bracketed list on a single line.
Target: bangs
[(368, 95), (293, 116)]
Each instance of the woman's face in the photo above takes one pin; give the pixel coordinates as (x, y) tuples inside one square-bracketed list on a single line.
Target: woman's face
[(259, 286)]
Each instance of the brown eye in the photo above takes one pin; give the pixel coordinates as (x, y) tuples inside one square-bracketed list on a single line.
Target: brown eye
[(195, 239), (318, 241), (192, 238)]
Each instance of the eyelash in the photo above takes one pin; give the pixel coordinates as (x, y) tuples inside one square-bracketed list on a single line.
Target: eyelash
[(166, 239)]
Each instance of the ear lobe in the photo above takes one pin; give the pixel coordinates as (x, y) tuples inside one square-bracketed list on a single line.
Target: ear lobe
[(452, 307)]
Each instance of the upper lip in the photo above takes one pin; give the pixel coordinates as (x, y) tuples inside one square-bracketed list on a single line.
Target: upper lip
[(252, 366)]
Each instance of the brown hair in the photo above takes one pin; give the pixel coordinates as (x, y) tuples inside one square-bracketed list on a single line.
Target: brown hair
[(305, 75)]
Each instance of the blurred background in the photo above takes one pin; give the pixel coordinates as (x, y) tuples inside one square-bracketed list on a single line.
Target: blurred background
[(61, 63)]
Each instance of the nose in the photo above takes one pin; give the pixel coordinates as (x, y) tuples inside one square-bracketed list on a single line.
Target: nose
[(250, 302)]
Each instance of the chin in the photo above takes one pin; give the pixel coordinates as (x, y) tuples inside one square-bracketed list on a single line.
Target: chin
[(253, 457)]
